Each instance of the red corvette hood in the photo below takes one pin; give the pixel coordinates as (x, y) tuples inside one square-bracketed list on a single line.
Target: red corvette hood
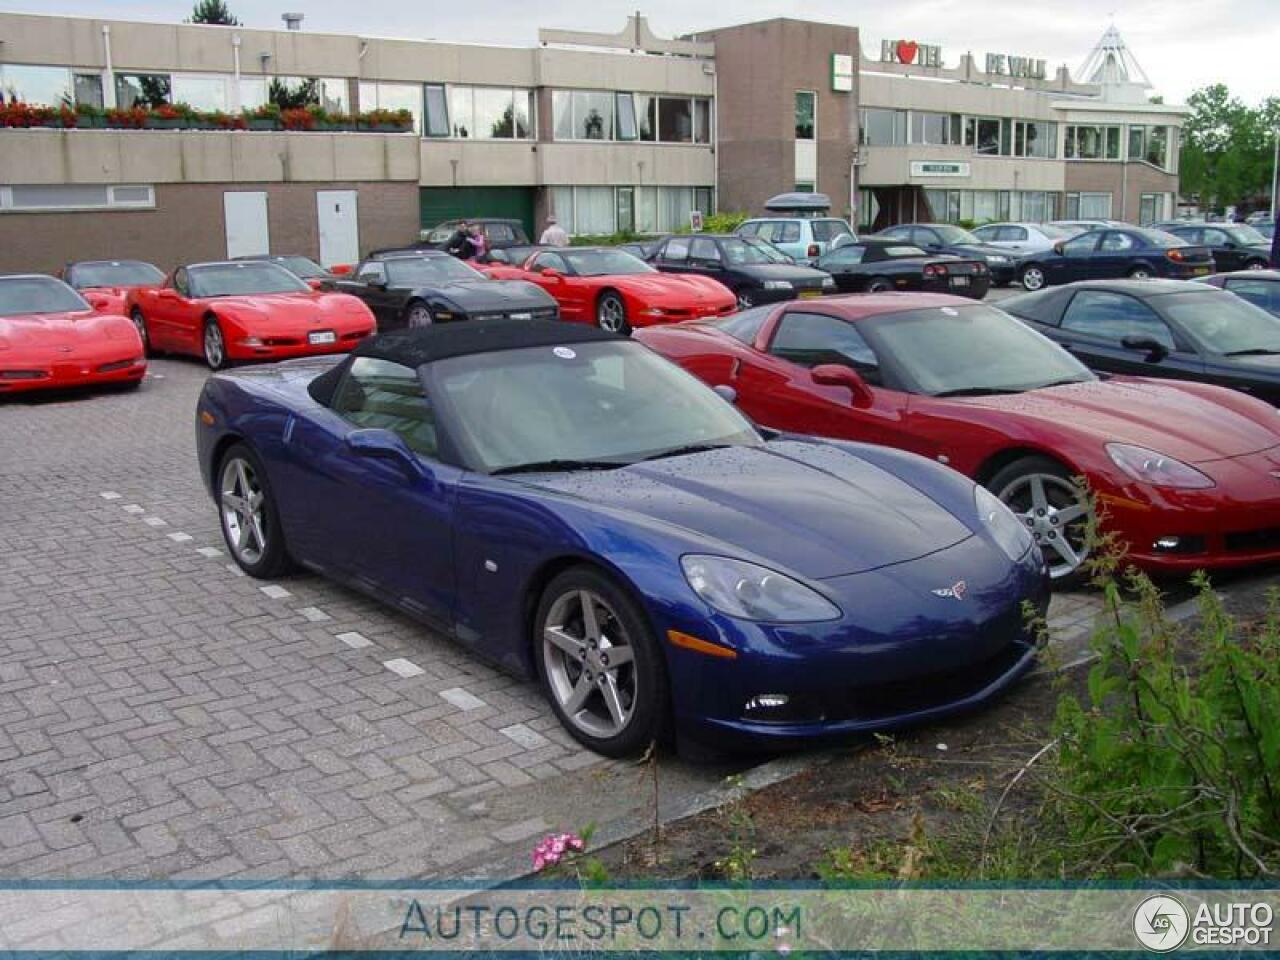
[(48, 331), (684, 288), (1148, 413), (293, 309)]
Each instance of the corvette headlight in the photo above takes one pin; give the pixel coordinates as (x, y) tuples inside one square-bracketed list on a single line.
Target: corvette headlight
[(752, 592), (1014, 539), (1147, 466), (777, 284)]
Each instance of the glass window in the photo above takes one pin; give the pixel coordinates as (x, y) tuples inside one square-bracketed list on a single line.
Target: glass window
[(703, 248), (1081, 246), (1114, 316), (28, 295), (592, 115), (329, 93), (780, 231), (626, 106), (987, 135), (701, 120), (883, 128), (1225, 325), (1261, 293), (41, 86), (647, 210), (243, 277), (806, 104), (203, 92), (88, 89), (394, 96), (142, 90), (495, 113), (745, 325), (675, 120), (677, 249), (810, 339), (1157, 152), (462, 112), (647, 114), (437, 119), (933, 128), (381, 394), (844, 256), (594, 210), (1095, 206), (1116, 242), (1036, 139), (562, 114)]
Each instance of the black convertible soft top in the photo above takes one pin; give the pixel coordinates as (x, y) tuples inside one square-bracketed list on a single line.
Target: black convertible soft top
[(413, 348)]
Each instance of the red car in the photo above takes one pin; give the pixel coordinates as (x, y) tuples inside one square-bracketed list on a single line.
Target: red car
[(106, 283), (50, 337), (246, 310), (615, 290), (1188, 474)]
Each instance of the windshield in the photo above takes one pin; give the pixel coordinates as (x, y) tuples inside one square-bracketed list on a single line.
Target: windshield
[(419, 271), (303, 267), (950, 234), (1242, 233), (977, 349), (1223, 324), (1158, 238), (115, 273), (605, 263), (739, 252), (26, 295), (771, 253), (616, 402), (238, 279), (1060, 233)]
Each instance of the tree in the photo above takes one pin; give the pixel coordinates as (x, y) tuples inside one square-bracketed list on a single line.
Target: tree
[(213, 11), (288, 96), (1227, 147)]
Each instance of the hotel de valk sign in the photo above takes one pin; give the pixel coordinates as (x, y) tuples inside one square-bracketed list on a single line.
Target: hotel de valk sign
[(908, 51)]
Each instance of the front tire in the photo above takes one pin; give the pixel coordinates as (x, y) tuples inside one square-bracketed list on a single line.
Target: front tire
[(249, 518), (417, 314), (140, 324), (879, 285), (1042, 494), (1032, 277), (611, 313), (215, 345), (1139, 273), (1256, 265), (600, 664)]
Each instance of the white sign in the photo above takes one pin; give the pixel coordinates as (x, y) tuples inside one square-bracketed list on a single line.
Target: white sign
[(695, 221), (841, 72), (1019, 67), (908, 52), (939, 168)]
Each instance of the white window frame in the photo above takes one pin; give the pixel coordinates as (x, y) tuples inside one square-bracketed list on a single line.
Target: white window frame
[(7, 202)]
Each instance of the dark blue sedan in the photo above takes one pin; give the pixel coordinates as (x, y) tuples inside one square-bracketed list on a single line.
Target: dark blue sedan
[(571, 505), (1138, 253)]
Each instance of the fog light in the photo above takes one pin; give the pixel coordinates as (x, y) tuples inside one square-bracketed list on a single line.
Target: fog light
[(768, 701), (1167, 543), (251, 342)]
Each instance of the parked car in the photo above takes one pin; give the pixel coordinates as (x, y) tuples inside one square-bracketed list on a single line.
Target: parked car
[(876, 265), (935, 238), (1024, 237), (304, 268), (1133, 252), (804, 239), (419, 289), (616, 291), (497, 232), (1187, 470), (1259, 287), (643, 249), (1234, 246), (749, 273), (237, 310), (576, 508), (509, 256), (106, 283), (52, 337), (1267, 228), (1082, 226)]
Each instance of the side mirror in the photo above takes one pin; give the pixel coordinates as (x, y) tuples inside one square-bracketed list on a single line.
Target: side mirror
[(551, 273), (1058, 247), (1155, 350), (385, 445), (838, 375), (726, 392)]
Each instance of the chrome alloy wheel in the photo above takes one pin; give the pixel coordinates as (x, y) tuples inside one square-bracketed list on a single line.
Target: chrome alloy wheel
[(1050, 508), (419, 315), (590, 664), (1032, 278), (243, 510), (612, 314), (214, 347)]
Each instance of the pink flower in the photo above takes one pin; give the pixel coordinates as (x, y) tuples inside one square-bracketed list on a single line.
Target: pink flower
[(538, 862)]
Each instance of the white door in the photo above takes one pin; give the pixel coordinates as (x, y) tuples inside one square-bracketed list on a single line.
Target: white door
[(339, 227), (247, 230)]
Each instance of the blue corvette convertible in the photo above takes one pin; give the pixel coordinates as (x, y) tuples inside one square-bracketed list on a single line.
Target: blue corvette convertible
[(569, 504)]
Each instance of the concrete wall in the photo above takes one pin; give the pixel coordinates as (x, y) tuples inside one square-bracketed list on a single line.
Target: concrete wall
[(891, 166), (901, 93), (1126, 182), (187, 226)]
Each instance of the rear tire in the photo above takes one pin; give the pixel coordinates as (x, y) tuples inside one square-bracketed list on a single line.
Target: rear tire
[(1139, 273), (1032, 277), (1256, 265), (247, 510), (417, 315), (1042, 494)]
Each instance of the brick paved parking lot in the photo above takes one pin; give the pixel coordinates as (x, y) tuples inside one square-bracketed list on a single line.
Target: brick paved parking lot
[(163, 716)]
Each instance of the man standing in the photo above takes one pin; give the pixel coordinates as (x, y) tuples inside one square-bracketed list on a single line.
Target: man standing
[(554, 235), (459, 244)]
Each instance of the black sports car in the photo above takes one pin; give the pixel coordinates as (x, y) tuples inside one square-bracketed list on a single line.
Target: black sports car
[(1234, 246), (1259, 287), (946, 238), (304, 268), (418, 289), (874, 266), (1160, 328), (750, 273)]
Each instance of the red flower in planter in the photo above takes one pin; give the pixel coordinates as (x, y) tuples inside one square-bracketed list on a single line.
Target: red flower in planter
[(298, 119)]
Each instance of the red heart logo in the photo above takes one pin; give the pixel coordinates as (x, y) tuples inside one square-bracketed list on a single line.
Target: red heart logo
[(907, 50)]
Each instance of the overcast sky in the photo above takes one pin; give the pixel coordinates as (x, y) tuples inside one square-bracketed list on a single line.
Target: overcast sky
[(1181, 44)]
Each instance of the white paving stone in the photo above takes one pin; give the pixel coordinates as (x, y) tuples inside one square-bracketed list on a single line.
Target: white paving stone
[(109, 495), (314, 614), (155, 522), (211, 552), (524, 735), (462, 699), (178, 536), (233, 569), (132, 508), (275, 591), (355, 640), (404, 668)]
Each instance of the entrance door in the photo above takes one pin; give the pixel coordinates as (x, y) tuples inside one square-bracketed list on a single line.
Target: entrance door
[(339, 226), (246, 219)]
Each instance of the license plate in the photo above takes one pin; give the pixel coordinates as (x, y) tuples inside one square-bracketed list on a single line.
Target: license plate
[(810, 294), (317, 337), (1198, 271), (959, 281), (522, 316)]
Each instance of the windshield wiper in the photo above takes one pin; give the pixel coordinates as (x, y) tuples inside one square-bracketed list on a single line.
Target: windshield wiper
[(1252, 352), (976, 392), (1058, 383), (687, 449), (557, 466)]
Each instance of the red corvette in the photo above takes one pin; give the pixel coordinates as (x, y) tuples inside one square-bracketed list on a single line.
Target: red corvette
[(1189, 474), (50, 337), (106, 283), (617, 291), (246, 310)]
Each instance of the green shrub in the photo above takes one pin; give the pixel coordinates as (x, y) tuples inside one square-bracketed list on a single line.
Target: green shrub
[(720, 222)]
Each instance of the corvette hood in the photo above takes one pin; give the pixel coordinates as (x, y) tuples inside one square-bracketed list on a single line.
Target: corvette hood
[(292, 309), (810, 508), (1148, 413), (494, 294), (52, 331), (670, 285)]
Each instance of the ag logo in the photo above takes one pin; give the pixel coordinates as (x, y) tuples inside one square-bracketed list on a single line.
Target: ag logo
[(1161, 923)]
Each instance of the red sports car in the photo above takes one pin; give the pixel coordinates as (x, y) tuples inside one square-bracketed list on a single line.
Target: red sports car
[(1188, 474), (106, 283), (50, 337), (246, 310), (617, 291)]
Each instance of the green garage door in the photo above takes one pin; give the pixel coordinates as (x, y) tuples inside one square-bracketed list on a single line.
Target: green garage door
[(436, 204)]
